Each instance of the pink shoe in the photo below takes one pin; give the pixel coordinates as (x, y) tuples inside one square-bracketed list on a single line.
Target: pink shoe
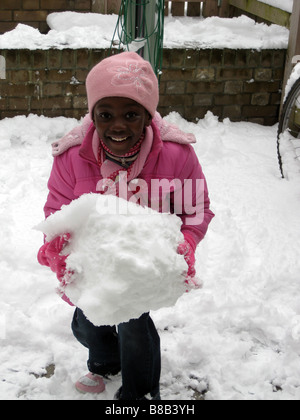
[(91, 384)]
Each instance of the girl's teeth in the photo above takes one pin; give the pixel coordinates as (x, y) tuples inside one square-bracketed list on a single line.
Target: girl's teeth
[(114, 139)]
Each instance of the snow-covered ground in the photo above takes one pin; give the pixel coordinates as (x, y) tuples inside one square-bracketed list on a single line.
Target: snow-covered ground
[(93, 30), (236, 338)]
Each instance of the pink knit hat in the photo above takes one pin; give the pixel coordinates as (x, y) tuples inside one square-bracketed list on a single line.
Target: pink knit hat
[(125, 75)]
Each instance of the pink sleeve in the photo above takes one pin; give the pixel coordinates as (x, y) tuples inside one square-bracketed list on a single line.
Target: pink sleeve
[(61, 184), (196, 214)]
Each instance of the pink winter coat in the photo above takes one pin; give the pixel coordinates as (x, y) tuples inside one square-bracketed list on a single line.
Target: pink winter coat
[(76, 172)]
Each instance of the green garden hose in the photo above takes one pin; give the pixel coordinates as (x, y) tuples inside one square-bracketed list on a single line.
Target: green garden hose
[(140, 28)]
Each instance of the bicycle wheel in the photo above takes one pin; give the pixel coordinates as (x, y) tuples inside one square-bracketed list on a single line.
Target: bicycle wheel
[(288, 137)]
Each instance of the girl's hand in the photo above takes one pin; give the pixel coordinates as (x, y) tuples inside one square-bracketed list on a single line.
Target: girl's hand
[(187, 249), (50, 255)]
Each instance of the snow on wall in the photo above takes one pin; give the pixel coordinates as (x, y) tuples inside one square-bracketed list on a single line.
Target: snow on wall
[(76, 30)]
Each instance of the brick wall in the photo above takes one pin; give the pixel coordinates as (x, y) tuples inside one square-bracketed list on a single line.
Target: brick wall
[(35, 12), (243, 85)]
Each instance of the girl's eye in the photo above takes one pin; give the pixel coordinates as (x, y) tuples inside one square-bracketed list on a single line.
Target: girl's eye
[(131, 115), (104, 115)]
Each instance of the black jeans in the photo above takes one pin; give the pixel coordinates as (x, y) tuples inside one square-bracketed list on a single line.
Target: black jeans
[(134, 350)]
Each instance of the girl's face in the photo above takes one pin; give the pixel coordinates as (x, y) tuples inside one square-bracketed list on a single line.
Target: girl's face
[(120, 122)]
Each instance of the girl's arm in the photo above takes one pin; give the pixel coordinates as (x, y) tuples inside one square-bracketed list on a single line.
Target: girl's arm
[(196, 214), (61, 184)]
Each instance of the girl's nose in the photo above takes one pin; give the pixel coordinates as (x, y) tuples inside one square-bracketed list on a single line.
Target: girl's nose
[(118, 125)]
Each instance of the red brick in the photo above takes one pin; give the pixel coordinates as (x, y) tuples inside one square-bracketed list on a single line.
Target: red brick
[(205, 74), (5, 16), (19, 76), (260, 99), (20, 90), (59, 75), (52, 89), (10, 4), (32, 16), (279, 58), (31, 4), (18, 104), (75, 113), (176, 87), (12, 114), (81, 75), (203, 100), (4, 88), (55, 5), (233, 99), (54, 112), (162, 88), (263, 75), (255, 87), (3, 104), (234, 112), (54, 59), (204, 87), (204, 58), (83, 5), (51, 103), (233, 87), (235, 74), (11, 59), (25, 59), (39, 59), (178, 75), (7, 26), (80, 102), (75, 90), (260, 111), (82, 59), (176, 100), (68, 58)]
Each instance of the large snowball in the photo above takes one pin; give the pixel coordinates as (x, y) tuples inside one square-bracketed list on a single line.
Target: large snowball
[(123, 257)]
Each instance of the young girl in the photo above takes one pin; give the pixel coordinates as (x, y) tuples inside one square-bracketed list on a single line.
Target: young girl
[(125, 136)]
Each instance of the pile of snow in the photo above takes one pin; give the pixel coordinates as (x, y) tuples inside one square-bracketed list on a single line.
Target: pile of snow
[(222, 33), (123, 257), (96, 34), (237, 338), (91, 30), (63, 21), (286, 5)]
